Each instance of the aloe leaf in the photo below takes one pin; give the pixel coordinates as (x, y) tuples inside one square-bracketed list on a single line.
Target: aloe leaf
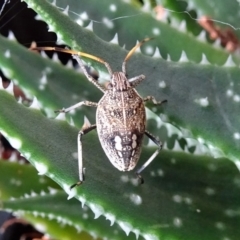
[(201, 98), (61, 218), (182, 194), (101, 13), (224, 14), (14, 180)]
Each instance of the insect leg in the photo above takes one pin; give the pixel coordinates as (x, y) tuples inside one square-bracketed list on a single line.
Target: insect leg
[(85, 129), (136, 80), (159, 144), (151, 98), (86, 103), (89, 77)]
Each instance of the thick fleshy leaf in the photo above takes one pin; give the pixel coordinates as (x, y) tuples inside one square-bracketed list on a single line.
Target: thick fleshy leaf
[(23, 192), (181, 196), (201, 98)]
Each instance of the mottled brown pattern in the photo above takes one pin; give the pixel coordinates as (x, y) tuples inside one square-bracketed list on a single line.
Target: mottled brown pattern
[(121, 116)]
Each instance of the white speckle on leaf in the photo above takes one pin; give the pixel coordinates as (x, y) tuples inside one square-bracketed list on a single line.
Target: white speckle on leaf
[(149, 50), (156, 31), (7, 54), (203, 102), (220, 225), (236, 135), (124, 178), (236, 98), (108, 23), (84, 16), (177, 222), (160, 172), (136, 199), (210, 191), (162, 84), (177, 198), (113, 7), (229, 93)]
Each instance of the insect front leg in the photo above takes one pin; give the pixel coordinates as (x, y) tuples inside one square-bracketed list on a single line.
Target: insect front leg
[(85, 129), (85, 103), (136, 80), (89, 77), (159, 144), (151, 98)]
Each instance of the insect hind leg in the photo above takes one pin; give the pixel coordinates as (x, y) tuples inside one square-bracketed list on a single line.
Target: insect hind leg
[(85, 129), (159, 144)]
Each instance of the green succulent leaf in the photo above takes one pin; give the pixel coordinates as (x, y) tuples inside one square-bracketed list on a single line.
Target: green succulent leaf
[(170, 40), (168, 205), (183, 193), (61, 218)]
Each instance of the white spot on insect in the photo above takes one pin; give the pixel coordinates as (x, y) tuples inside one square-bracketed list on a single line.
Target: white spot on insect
[(120, 154), (156, 31), (236, 135), (149, 50), (162, 84), (236, 98), (136, 199), (203, 102), (108, 22), (229, 93), (113, 7), (118, 144), (134, 143), (133, 152), (177, 222)]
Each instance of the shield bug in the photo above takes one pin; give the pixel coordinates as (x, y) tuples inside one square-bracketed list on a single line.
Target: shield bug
[(120, 117)]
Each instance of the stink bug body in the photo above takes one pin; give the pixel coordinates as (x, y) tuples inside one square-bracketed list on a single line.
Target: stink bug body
[(120, 117)]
